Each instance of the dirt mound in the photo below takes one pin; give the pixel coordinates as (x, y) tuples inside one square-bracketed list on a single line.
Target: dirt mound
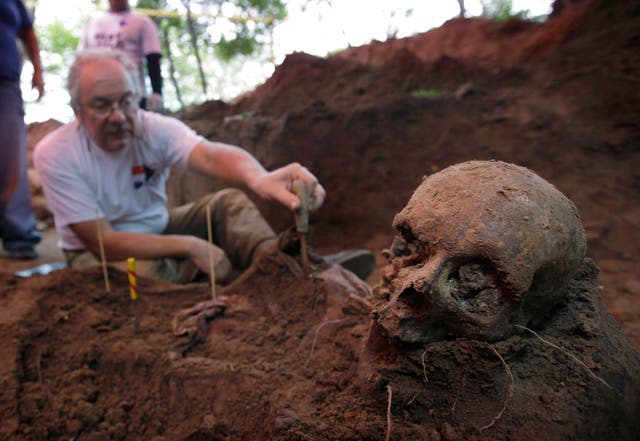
[(477, 42), (84, 373), (370, 132), (282, 363)]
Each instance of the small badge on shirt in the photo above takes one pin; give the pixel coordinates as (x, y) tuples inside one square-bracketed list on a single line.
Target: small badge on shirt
[(141, 174)]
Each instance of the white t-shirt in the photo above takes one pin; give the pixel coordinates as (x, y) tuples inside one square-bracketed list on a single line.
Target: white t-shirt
[(134, 34), (82, 182)]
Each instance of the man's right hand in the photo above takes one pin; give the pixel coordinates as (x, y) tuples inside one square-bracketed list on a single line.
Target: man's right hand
[(200, 254), (277, 185)]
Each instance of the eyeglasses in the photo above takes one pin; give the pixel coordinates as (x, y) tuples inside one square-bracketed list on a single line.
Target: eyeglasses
[(102, 107)]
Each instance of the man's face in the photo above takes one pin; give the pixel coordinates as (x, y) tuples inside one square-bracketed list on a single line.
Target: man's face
[(108, 104), (118, 5)]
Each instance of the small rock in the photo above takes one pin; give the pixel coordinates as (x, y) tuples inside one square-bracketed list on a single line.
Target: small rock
[(465, 90), (208, 422)]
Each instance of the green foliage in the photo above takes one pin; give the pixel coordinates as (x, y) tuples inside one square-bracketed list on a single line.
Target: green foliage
[(224, 44), (57, 45), (502, 10), (425, 93), (151, 4), (226, 50), (58, 38), (254, 21)]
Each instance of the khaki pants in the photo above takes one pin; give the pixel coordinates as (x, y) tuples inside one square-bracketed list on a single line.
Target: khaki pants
[(237, 227)]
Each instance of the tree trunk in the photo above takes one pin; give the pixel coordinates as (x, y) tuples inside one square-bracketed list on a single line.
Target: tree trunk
[(172, 68), (194, 43)]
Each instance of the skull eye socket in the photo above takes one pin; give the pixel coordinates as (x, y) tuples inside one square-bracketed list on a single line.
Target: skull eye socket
[(414, 246), (475, 285), (423, 250)]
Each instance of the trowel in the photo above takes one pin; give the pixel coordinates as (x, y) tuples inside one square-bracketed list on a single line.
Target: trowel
[(301, 217)]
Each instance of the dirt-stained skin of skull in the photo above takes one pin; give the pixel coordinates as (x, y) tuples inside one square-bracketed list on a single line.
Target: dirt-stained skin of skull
[(491, 245)]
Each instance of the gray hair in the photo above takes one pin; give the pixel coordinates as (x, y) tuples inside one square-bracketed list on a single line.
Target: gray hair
[(88, 56)]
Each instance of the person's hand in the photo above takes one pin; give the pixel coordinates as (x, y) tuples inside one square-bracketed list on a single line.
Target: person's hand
[(199, 253), (277, 186), (155, 103), (37, 82)]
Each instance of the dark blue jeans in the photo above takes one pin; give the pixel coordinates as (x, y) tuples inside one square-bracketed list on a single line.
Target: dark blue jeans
[(17, 222)]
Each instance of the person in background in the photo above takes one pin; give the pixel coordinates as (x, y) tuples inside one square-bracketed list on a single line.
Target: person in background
[(104, 177), (17, 221), (137, 36)]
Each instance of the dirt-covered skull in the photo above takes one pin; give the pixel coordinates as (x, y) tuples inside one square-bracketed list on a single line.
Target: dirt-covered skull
[(494, 245)]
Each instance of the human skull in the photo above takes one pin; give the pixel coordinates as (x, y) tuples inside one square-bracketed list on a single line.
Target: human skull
[(494, 246)]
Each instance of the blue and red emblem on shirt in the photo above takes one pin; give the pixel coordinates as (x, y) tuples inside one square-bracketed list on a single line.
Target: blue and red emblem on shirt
[(138, 175), (141, 174)]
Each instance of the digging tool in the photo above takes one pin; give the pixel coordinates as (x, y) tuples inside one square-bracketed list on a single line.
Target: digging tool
[(212, 272), (301, 217), (133, 289)]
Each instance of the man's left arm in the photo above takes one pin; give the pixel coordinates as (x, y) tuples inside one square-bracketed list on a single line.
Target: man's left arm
[(237, 167), (155, 102), (154, 72)]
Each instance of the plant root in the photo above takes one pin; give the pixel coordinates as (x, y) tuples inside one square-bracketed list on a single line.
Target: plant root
[(361, 300), (424, 366), (389, 397), (567, 353), (455, 402), (509, 394), (315, 338)]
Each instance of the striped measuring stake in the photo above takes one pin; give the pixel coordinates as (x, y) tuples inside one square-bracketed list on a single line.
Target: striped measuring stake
[(133, 290)]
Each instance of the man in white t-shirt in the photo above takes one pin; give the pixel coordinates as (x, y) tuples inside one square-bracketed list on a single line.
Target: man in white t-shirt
[(137, 36), (104, 178)]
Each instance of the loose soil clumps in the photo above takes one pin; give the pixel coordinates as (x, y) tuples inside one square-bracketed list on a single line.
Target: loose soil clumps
[(284, 360)]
